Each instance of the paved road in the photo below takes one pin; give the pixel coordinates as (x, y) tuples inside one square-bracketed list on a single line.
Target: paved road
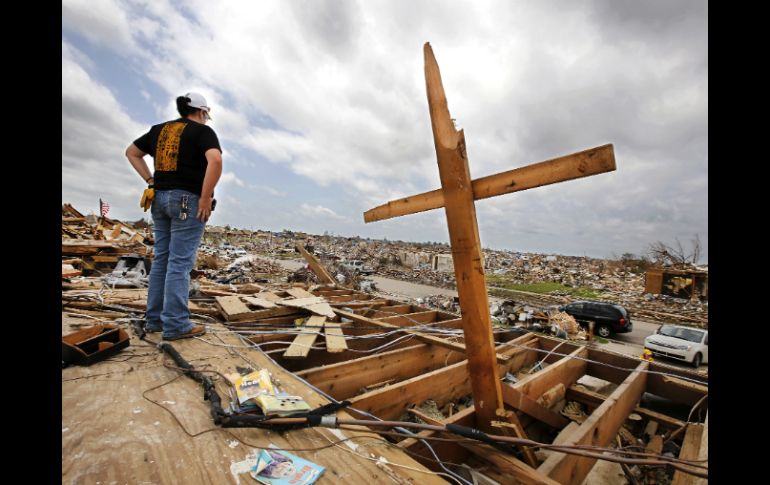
[(626, 343), (407, 289)]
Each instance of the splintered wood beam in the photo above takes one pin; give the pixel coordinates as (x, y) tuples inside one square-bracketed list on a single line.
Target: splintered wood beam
[(466, 248), (569, 167), (598, 430), (315, 265)]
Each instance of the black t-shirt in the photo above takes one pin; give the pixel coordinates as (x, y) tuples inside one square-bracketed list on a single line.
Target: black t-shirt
[(179, 149)]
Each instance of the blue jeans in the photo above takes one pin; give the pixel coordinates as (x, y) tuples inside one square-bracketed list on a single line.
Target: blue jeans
[(177, 236)]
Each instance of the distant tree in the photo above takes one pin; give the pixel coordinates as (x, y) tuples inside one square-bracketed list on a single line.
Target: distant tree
[(675, 255)]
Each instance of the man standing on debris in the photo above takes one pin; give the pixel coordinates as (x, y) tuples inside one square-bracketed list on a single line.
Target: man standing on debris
[(188, 164)]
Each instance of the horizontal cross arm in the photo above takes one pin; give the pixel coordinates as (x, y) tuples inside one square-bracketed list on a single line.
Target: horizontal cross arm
[(581, 164)]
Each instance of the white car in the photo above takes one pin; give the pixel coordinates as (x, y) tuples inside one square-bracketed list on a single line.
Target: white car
[(357, 265), (682, 343)]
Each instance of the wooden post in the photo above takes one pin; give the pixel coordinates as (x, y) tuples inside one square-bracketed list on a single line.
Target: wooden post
[(466, 249)]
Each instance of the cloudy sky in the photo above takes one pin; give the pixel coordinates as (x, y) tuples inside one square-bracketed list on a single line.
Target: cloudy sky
[(321, 110)]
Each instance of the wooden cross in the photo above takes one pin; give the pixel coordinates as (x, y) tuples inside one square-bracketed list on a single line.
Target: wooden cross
[(456, 195)]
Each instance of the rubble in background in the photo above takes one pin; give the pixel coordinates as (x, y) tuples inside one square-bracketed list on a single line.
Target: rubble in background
[(94, 245), (228, 266), (413, 262)]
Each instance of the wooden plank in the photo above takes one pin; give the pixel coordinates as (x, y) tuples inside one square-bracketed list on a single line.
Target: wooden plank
[(599, 429), (359, 304), (330, 292), (655, 445), (347, 298), (232, 307), (299, 293), (509, 465), (442, 385), (690, 451), (409, 319), (268, 317), (593, 400), (391, 310), (345, 379), (335, 339), (315, 265), (692, 386), (314, 304), (300, 347), (268, 295), (96, 258), (521, 357), (703, 453), (452, 323), (321, 309), (520, 401), (513, 347), (259, 302), (511, 426), (566, 371), (430, 339), (569, 167), (301, 302), (262, 315), (552, 396)]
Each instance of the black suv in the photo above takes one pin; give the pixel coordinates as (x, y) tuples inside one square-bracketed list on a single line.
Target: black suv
[(608, 318)]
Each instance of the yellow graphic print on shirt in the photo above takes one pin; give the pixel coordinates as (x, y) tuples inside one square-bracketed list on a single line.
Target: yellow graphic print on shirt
[(167, 150)]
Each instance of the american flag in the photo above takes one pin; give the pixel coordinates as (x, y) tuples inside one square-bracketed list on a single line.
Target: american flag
[(104, 207)]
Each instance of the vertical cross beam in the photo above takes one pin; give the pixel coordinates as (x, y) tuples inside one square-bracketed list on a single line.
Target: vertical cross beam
[(466, 249)]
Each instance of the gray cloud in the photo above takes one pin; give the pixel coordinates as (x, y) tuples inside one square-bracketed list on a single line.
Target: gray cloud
[(343, 85)]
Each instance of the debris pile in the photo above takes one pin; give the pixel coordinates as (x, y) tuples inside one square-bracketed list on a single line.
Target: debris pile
[(574, 277), (566, 323), (228, 264), (92, 245)]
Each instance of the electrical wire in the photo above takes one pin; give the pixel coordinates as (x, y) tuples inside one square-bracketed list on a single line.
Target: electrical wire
[(332, 399), (331, 443)]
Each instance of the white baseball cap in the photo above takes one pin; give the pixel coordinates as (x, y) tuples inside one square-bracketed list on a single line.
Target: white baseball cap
[(198, 101)]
